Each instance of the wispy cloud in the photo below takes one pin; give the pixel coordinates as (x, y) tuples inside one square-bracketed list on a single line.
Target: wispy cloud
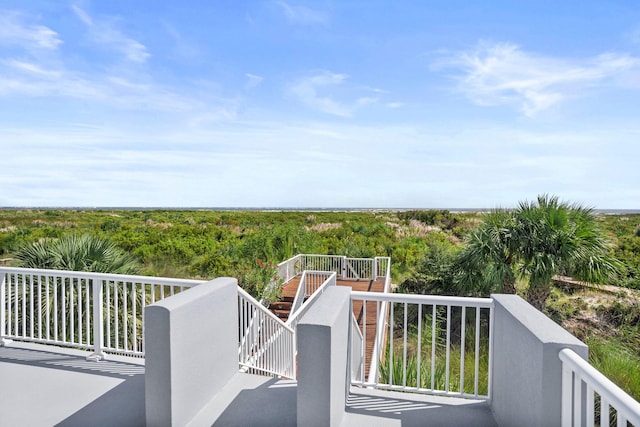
[(19, 29), (182, 48), (252, 80), (312, 91), (64, 165), (31, 68), (302, 15), (504, 74), (106, 83), (105, 32), (30, 79)]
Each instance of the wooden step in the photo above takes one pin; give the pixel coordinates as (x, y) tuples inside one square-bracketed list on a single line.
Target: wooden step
[(280, 305), (282, 314)]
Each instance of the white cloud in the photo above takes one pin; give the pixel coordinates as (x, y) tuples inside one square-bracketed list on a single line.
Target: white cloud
[(434, 167), (31, 68), (53, 76), (307, 90), (252, 80), (504, 74), (312, 91), (303, 15), (15, 29), (104, 32)]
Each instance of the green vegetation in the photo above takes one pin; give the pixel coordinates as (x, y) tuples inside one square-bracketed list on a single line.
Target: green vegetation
[(536, 241), (401, 367), (424, 247), (207, 244), (76, 253), (608, 321)]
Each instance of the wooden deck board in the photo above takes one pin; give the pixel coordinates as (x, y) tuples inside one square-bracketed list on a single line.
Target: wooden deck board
[(290, 288)]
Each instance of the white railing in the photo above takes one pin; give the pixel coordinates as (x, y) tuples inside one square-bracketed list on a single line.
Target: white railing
[(266, 344), (290, 268), (313, 290), (346, 268), (356, 350), (382, 266), (383, 315), (359, 268), (323, 263), (102, 312), (310, 281), (433, 344), (602, 399)]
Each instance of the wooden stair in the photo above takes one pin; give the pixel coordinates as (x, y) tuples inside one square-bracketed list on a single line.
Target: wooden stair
[(282, 308)]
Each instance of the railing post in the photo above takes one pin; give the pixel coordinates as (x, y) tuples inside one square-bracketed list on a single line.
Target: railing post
[(343, 274), (98, 321), (374, 270), (3, 306), (567, 401)]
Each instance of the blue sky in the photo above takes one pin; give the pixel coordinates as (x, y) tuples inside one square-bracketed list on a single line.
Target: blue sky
[(407, 104)]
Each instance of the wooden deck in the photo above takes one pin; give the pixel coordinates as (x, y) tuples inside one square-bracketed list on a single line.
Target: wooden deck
[(290, 288)]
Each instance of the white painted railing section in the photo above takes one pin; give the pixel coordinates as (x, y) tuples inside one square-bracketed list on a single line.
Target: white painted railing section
[(314, 290), (323, 263), (103, 312), (383, 315), (345, 268), (602, 400), (383, 267), (290, 268), (356, 350), (359, 268), (266, 344), (432, 344)]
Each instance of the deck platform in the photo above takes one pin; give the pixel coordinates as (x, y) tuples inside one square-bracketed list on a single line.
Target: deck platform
[(363, 285), (43, 386), (47, 386)]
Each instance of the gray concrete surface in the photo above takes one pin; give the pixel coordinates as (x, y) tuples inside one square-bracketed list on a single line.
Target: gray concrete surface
[(51, 386), (251, 400), (527, 373), (191, 350), (46, 386), (323, 345), (377, 408)]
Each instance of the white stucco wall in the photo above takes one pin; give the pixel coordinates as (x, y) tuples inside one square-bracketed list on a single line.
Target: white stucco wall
[(526, 387), (191, 350)]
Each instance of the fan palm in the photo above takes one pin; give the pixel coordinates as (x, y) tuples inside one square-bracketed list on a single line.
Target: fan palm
[(536, 241), (487, 262), (86, 253), (77, 253), (560, 238)]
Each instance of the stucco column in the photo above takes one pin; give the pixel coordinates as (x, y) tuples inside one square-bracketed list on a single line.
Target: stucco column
[(191, 350), (527, 373), (322, 335)]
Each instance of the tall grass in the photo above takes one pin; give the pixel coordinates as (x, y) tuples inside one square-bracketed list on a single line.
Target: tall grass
[(419, 360), (617, 362)]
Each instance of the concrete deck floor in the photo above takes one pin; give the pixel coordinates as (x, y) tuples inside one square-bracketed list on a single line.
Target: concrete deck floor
[(51, 386), (250, 400)]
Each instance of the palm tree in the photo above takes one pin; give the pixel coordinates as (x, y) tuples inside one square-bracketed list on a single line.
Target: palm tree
[(560, 238), (86, 253), (536, 241), (487, 262), (77, 253)]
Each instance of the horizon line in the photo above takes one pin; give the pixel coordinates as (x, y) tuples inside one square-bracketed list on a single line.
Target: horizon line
[(287, 209)]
